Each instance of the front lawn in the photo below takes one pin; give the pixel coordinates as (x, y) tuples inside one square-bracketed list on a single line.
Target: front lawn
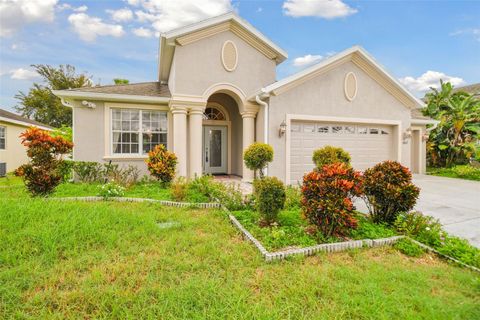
[(143, 260), (460, 171)]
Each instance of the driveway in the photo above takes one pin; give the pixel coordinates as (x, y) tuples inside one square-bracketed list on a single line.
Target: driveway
[(455, 202)]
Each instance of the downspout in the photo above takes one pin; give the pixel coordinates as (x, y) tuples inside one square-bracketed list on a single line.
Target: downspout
[(265, 105)]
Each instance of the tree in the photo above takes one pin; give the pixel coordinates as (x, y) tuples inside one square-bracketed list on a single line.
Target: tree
[(41, 104), (121, 81), (453, 140)]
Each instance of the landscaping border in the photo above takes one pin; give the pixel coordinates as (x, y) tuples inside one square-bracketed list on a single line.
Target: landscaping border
[(332, 247), (200, 205)]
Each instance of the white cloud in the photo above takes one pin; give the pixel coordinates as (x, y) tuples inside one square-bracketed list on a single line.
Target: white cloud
[(88, 28), (307, 60), (67, 6), (23, 74), (327, 9), (167, 15), (472, 31), (120, 15), (429, 79), (143, 32), (15, 14), (81, 9)]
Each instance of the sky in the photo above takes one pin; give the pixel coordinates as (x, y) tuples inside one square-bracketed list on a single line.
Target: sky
[(418, 42)]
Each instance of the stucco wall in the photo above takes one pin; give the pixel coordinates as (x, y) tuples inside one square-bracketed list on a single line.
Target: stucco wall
[(324, 96), (14, 154), (198, 65)]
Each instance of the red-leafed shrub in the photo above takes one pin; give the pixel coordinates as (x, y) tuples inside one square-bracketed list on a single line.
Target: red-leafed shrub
[(389, 191), (43, 173), (327, 198), (161, 163)]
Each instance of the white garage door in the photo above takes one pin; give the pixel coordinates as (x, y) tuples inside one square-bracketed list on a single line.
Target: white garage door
[(367, 144)]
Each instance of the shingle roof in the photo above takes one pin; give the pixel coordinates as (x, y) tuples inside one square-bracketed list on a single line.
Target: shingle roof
[(473, 89), (417, 114), (152, 89), (16, 117)]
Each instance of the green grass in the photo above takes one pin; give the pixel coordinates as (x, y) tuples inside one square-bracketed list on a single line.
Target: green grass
[(112, 260), (461, 171), (290, 230)]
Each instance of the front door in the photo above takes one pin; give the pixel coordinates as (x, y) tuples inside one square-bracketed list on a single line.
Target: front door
[(215, 149)]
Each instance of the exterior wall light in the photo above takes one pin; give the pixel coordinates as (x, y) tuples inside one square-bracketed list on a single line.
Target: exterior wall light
[(89, 104), (282, 129), (407, 135)]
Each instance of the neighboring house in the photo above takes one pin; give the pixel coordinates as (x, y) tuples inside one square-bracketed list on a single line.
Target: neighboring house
[(473, 89), (217, 93), (12, 152)]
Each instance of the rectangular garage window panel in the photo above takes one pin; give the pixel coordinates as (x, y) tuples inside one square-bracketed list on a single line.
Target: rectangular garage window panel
[(373, 131), (309, 128), (362, 130), (349, 129), (128, 125), (323, 129), (337, 129)]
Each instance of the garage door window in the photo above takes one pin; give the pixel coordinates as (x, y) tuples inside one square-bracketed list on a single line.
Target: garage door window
[(350, 129), (362, 130), (323, 129), (337, 129), (373, 131), (308, 128), (384, 132)]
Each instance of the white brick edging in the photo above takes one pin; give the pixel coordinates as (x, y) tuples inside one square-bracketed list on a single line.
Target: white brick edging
[(162, 202)]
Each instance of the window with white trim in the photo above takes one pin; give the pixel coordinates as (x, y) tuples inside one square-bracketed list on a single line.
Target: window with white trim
[(136, 132), (3, 137)]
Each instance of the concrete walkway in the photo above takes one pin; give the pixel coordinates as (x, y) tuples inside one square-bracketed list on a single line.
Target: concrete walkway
[(455, 202)]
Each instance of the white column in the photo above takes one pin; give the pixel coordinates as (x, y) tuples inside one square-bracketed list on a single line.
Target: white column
[(180, 139), (195, 139), (248, 139)]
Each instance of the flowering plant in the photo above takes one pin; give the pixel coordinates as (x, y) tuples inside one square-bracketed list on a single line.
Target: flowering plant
[(111, 189)]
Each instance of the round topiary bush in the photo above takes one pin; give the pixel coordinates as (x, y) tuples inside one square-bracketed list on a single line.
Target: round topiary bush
[(329, 155), (270, 197), (161, 163), (257, 156), (389, 191)]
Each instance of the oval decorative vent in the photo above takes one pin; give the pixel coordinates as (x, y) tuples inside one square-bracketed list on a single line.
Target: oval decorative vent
[(229, 56), (350, 86)]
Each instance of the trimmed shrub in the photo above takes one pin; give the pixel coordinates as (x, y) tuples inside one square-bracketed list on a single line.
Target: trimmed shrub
[(41, 175), (330, 155), (327, 198), (257, 156), (389, 190), (161, 163), (270, 197), (65, 169), (111, 189), (423, 228)]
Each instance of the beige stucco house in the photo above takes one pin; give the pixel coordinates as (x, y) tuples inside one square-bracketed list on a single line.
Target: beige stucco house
[(217, 93), (12, 152)]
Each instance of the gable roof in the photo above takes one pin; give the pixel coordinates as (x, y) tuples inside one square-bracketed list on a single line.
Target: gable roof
[(149, 92), (473, 89), (11, 117), (226, 22), (363, 60)]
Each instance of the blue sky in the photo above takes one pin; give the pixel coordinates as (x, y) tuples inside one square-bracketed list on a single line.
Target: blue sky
[(418, 42)]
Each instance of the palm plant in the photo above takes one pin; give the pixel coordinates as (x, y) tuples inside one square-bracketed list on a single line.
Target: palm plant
[(453, 141)]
